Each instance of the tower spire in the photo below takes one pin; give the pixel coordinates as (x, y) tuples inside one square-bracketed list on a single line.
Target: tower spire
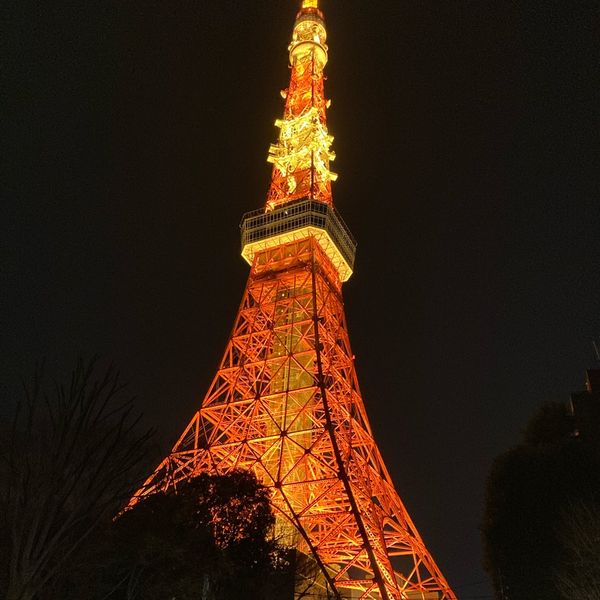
[(302, 153), (285, 402)]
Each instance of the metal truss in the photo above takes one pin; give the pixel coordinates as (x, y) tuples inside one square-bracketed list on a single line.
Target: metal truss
[(285, 404)]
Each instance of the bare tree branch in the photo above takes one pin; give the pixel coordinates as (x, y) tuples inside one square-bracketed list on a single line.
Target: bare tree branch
[(72, 460)]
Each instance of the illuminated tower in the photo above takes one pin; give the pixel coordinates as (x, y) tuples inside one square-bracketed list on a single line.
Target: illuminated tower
[(285, 401)]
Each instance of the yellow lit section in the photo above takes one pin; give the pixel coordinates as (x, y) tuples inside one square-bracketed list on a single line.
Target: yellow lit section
[(321, 236), (310, 4), (304, 143)]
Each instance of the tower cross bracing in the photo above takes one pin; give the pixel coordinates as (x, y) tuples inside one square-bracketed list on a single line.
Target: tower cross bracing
[(285, 402)]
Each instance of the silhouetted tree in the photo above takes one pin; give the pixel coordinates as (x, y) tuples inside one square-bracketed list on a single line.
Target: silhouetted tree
[(73, 457), (579, 536), (527, 491), (209, 539)]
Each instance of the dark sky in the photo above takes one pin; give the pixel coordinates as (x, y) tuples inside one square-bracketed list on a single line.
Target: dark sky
[(135, 137)]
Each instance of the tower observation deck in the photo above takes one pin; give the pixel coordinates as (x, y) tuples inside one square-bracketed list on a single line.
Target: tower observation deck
[(285, 402), (298, 220)]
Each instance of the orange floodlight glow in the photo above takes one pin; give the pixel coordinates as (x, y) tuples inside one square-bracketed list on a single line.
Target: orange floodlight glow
[(285, 402)]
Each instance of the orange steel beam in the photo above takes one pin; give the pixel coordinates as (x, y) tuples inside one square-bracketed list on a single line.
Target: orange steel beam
[(285, 402)]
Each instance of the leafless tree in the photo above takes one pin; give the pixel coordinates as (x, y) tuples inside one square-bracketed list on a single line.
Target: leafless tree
[(73, 457), (579, 578)]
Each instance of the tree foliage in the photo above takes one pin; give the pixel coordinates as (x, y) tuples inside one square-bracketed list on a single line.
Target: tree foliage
[(527, 490), (579, 536), (210, 539), (211, 536)]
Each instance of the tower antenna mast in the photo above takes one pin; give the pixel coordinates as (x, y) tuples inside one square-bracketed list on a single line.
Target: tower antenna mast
[(285, 402)]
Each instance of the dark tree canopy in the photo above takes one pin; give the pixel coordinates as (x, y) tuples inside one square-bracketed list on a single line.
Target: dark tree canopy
[(212, 532), (551, 425), (209, 539), (579, 537), (527, 492)]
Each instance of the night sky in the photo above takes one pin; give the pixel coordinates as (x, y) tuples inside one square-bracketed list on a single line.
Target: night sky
[(135, 137)]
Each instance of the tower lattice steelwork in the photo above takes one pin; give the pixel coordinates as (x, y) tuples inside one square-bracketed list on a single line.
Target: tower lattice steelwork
[(285, 402)]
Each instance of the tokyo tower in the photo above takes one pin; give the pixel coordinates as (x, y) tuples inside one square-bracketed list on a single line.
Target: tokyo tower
[(285, 401)]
